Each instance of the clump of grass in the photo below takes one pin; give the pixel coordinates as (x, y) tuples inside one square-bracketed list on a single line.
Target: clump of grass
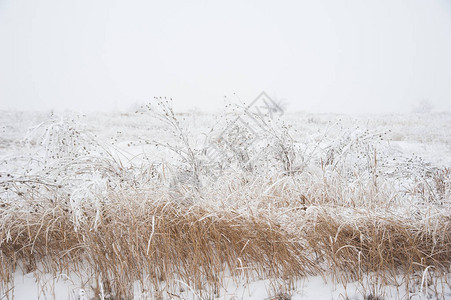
[(379, 244), (145, 240), (157, 242), (327, 209)]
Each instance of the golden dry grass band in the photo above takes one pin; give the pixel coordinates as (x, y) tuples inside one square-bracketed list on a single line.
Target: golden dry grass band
[(160, 241)]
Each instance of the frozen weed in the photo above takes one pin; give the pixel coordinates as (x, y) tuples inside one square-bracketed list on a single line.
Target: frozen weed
[(268, 205)]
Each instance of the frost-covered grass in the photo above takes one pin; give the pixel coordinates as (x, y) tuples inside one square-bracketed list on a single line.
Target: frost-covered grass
[(153, 204)]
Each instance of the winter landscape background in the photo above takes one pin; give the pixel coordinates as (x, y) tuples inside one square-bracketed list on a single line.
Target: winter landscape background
[(225, 150)]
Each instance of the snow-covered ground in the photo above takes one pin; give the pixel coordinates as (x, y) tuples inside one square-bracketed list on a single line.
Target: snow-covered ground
[(69, 286), (33, 143)]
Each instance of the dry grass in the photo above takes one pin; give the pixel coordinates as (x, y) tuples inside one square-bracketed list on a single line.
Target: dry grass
[(338, 212), (379, 245), (141, 240), (160, 243)]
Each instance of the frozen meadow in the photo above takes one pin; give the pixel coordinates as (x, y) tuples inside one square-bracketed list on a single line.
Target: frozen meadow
[(152, 204)]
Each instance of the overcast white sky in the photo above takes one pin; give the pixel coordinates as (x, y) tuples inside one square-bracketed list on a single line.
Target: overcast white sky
[(340, 56)]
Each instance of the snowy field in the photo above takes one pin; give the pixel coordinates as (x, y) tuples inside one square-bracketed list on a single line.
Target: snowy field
[(150, 204)]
